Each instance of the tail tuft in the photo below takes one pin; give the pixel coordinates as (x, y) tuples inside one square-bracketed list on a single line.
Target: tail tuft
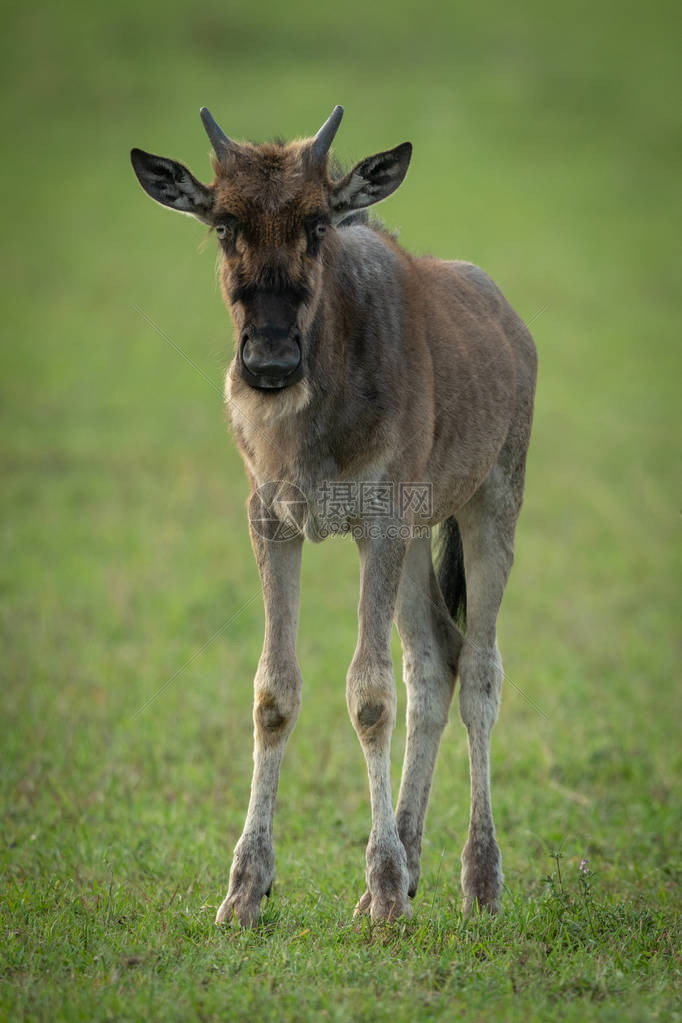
[(450, 570)]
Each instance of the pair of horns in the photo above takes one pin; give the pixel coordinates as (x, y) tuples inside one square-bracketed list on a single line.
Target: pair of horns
[(321, 143)]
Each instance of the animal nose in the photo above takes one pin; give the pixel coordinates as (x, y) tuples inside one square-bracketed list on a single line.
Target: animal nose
[(272, 364), (270, 355)]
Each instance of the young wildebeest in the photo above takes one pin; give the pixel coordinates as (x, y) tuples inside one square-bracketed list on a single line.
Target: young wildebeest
[(360, 369)]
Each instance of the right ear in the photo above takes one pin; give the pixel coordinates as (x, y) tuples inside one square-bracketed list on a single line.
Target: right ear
[(172, 185), (371, 181)]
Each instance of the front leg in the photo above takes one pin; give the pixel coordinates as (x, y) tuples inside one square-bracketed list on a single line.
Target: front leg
[(277, 699), (371, 700)]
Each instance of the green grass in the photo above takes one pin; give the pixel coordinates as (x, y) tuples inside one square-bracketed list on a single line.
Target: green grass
[(547, 150)]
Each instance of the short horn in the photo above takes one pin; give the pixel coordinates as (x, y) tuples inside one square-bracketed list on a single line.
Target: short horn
[(219, 139), (325, 135)]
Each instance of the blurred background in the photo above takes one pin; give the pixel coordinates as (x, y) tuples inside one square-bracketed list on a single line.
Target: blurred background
[(546, 149)]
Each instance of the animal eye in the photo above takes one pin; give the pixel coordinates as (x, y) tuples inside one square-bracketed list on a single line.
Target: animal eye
[(227, 227), (316, 227)]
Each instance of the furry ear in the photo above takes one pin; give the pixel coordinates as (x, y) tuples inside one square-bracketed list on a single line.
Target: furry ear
[(172, 185), (371, 181)]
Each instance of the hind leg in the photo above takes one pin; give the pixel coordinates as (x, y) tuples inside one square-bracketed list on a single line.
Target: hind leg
[(487, 526)]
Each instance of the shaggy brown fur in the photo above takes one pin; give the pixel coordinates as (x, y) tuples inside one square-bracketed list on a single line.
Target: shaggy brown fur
[(359, 366)]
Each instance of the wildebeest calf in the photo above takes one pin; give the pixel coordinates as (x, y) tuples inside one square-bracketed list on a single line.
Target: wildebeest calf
[(379, 394)]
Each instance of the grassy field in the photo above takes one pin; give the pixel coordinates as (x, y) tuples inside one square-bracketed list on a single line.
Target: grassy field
[(547, 146)]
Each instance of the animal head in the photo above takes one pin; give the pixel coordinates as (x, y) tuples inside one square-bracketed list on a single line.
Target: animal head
[(274, 209)]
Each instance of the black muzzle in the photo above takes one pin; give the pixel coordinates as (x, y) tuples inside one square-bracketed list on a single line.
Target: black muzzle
[(269, 357)]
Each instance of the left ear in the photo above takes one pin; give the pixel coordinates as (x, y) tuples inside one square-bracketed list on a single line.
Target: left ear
[(171, 184), (371, 181)]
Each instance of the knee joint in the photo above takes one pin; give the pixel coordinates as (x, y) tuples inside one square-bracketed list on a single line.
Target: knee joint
[(481, 684), (370, 693), (371, 717), (370, 714), (270, 717), (275, 710)]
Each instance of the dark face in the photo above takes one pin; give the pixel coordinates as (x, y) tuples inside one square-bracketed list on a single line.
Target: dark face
[(269, 352), (271, 220), (273, 208)]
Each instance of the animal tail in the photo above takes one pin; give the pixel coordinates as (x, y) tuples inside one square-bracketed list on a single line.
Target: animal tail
[(450, 570)]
